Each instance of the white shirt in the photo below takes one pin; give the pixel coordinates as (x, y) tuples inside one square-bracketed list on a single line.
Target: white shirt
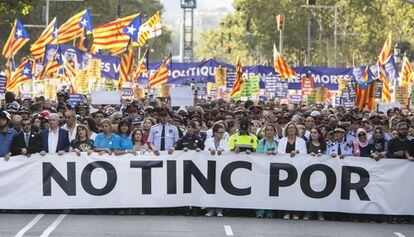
[(209, 134), (300, 145), (93, 136), (53, 140), (72, 133), (209, 145)]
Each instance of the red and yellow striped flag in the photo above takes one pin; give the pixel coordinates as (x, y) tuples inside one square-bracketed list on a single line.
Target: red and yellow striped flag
[(125, 68), (407, 75), (72, 28), (111, 35), (48, 36), (10, 68), (386, 50), (70, 71), (19, 77), (17, 39), (238, 82), (365, 98), (150, 29), (386, 93), (281, 66), (160, 77), (141, 68)]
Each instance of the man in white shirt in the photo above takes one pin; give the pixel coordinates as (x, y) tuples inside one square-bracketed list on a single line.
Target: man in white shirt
[(54, 139), (71, 124)]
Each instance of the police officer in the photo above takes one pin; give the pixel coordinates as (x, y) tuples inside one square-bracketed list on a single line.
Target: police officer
[(339, 146), (163, 136), (243, 141), (190, 141)]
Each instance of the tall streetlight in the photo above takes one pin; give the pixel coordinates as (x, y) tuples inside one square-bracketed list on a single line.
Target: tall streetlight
[(335, 8)]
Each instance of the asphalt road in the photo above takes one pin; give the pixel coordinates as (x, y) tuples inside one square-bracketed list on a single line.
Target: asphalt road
[(145, 225)]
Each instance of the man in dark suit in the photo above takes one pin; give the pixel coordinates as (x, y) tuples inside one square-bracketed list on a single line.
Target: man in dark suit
[(26, 142), (54, 139)]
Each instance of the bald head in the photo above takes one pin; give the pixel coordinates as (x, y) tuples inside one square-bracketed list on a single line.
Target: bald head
[(17, 122)]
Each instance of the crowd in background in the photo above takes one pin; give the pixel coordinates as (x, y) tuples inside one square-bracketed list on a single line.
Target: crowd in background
[(42, 126)]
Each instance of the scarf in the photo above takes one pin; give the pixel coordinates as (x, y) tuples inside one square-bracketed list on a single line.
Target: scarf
[(358, 143)]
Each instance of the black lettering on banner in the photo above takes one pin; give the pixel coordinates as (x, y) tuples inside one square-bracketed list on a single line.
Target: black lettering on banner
[(171, 177), (226, 178), (208, 184), (330, 181), (346, 184), (275, 182), (68, 185), (146, 172), (111, 178)]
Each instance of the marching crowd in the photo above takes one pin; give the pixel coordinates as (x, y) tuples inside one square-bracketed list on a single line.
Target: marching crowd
[(42, 126)]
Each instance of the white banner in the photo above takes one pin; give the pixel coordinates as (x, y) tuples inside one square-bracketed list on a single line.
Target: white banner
[(303, 183)]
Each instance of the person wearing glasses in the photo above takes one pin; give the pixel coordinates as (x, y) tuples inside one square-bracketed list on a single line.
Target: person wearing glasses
[(216, 144), (267, 145), (26, 142), (71, 124), (399, 145), (361, 146)]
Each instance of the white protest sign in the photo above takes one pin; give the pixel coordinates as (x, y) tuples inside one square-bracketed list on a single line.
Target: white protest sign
[(106, 97), (182, 96), (304, 183), (384, 106)]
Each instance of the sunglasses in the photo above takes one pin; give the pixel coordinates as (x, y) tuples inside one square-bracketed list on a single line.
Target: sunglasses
[(362, 135)]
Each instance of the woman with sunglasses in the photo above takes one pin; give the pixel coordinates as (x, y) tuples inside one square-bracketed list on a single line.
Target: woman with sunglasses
[(379, 142), (361, 146), (269, 146)]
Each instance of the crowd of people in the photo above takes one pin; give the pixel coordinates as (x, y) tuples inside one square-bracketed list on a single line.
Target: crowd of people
[(136, 127)]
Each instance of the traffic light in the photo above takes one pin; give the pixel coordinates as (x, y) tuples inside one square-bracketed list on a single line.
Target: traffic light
[(229, 48), (280, 19), (311, 2)]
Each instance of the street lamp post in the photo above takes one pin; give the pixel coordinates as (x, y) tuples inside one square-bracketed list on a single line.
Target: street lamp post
[(335, 8)]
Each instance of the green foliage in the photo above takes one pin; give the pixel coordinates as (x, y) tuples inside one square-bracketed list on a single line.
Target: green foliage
[(103, 11), (363, 26)]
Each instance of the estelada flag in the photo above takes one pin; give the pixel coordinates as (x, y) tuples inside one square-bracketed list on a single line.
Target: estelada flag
[(238, 82)]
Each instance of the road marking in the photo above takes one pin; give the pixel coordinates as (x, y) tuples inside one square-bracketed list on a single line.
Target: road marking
[(399, 234), (49, 230), (228, 230), (29, 225)]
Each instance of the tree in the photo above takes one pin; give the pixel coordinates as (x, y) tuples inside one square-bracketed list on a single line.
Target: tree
[(102, 11), (363, 26)]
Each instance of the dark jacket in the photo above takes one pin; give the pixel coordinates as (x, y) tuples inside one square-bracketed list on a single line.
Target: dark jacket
[(63, 140), (18, 143)]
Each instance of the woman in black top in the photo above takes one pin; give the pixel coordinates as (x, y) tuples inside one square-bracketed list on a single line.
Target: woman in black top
[(379, 143), (317, 145), (82, 143), (362, 147)]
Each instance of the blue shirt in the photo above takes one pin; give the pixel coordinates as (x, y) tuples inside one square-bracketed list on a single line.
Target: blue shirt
[(171, 135), (263, 148), (334, 147), (111, 143), (124, 143), (5, 142)]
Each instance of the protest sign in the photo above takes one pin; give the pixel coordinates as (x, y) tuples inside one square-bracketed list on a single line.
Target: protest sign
[(256, 181), (181, 96), (106, 97)]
